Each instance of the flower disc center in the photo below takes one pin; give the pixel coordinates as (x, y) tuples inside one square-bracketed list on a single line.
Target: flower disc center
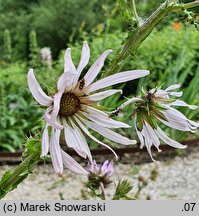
[(69, 104)]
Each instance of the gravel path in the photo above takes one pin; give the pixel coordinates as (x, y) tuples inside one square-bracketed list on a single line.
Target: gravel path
[(177, 178)]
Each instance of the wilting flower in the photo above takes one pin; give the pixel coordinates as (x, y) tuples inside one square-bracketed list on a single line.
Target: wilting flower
[(100, 173), (157, 105), (74, 108)]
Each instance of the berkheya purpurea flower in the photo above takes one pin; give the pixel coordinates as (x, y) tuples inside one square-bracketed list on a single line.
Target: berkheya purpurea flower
[(74, 108), (100, 173), (157, 106)]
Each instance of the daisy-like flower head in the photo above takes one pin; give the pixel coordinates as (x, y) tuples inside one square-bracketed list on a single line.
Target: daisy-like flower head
[(100, 173), (74, 108), (157, 105)]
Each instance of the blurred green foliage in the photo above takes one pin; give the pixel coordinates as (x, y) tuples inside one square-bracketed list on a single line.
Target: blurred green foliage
[(18, 118), (170, 53), (53, 20)]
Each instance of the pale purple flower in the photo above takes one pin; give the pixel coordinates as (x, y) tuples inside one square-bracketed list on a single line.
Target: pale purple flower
[(74, 107), (105, 168), (157, 105), (100, 173)]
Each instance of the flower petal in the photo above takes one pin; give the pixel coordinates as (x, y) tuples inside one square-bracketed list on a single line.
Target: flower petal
[(95, 68), (85, 55), (168, 140), (117, 78), (176, 94), (80, 143), (195, 124), (148, 142), (110, 168), (140, 136), (116, 137), (71, 140), (105, 122), (71, 164), (47, 116), (152, 135), (92, 111), (102, 95), (45, 142), (177, 118), (173, 87), (174, 124), (68, 62), (37, 91), (104, 167), (91, 136), (54, 115), (182, 103), (55, 151)]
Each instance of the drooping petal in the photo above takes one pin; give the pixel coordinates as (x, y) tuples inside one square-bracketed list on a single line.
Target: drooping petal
[(116, 79), (175, 124), (71, 164), (105, 122), (151, 133), (81, 140), (95, 112), (173, 87), (182, 103), (55, 151), (85, 55), (68, 62), (45, 142), (54, 115), (140, 137), (102, 95), (72, 141), (37, 91), (148, 142), (168, 140), (95, 68), (116, 137), (102, 118), (47, 116), (92, 137), (176, 117)]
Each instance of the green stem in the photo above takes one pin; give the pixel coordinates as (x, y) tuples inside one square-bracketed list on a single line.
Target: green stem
[(10, 180), (136, 37), (133, 7), (190, 5)]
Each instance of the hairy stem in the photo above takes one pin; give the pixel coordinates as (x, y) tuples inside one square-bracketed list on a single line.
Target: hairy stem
[(10, 180), (137, 36)]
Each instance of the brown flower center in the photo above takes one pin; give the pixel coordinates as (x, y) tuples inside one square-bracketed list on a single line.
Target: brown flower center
[(69, 104)]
